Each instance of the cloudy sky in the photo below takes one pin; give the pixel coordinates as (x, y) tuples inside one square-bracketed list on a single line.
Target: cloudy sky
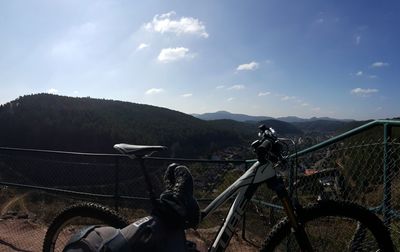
[(273, 58)]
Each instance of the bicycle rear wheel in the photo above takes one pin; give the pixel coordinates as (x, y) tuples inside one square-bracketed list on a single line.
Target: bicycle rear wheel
[(76, 217), (333, 226)]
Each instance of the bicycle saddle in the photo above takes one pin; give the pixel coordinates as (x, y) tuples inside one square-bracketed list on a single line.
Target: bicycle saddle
[(138, 150)]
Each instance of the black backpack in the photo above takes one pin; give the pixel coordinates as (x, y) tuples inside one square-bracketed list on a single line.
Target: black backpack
[(147, 234), (177, 210)]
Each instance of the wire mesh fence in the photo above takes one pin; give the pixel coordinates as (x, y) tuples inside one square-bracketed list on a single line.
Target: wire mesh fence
[(35, 186), (363, 168)]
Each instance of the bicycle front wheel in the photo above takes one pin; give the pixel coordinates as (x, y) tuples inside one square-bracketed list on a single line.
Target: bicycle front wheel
[(74, 218), (333, 226)]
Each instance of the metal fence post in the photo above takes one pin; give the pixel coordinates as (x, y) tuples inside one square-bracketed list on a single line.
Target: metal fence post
[(246, 166), (387, 183), (292, 168), (116, 188)]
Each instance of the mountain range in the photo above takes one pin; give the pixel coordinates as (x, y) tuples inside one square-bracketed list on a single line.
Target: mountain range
[(245, 118)]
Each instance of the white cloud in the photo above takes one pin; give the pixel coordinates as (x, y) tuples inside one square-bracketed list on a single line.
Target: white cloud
[(264, 93), (236, 87), (187, 95), (305, 104), (286, 98), (359, 73), (142, 46), (230, 99), (52, 91), (249, 66), (316, 109), (165, 23), (364, 92), (220, 87), (379, 64), (172, 54), (153, 91), (372, 76)]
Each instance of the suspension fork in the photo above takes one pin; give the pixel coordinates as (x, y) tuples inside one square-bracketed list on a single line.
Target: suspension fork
[(298, 230)]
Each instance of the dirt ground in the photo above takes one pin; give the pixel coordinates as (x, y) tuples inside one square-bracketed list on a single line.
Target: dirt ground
[(23, 235), (201, 235), (20, 231), (20, 235)]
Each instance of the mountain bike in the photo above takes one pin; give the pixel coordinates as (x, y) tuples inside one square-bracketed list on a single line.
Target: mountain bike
[(327, 225)]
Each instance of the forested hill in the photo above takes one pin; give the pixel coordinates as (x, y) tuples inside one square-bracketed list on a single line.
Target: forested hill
[(282, 127), (55, 122), (94, 125)]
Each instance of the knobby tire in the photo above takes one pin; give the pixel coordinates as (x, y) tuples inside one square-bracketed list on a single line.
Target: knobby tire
[(90, 211), (322, 212)]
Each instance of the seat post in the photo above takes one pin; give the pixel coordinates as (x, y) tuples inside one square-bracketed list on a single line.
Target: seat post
[(148, 182)]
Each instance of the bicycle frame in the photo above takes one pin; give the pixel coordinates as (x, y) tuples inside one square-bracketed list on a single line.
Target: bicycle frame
[(244, 187)]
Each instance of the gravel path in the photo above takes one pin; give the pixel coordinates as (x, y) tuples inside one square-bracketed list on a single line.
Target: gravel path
[(20, 235)]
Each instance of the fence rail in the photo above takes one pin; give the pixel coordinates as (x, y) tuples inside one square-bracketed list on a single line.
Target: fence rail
[(361, 165)]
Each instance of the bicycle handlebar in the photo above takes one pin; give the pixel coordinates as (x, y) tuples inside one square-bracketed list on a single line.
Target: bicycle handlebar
[(268, 146)]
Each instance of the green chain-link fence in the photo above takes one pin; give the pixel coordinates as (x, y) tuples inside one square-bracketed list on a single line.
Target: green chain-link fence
[(360, 166)]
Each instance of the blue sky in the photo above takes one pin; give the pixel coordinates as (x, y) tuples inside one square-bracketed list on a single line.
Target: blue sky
[(271, 57)]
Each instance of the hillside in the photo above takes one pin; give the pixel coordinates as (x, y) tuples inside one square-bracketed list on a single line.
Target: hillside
[(94, 125), (283, 128), (295, 119), (249, 129), (221, 115), (55, 122), (321, 126)]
